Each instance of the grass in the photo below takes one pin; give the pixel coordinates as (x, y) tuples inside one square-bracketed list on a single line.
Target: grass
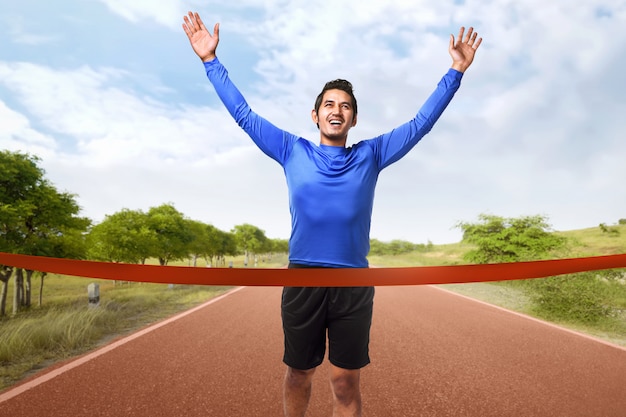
[(594, 242), (449, 254), (65, 325)]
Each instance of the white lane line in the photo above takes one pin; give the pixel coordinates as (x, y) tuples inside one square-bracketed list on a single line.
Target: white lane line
[(14, 392), (545, 323)]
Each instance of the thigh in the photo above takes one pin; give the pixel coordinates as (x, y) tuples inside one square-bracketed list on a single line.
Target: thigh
[(349, 323), (303, 312)]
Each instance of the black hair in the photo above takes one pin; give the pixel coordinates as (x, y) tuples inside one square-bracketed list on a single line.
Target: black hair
[(338, 84)]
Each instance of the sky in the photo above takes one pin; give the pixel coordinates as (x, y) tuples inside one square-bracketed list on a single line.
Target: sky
[(112, 99)]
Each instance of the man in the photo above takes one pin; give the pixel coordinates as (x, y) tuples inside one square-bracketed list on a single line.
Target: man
[(331, 194)]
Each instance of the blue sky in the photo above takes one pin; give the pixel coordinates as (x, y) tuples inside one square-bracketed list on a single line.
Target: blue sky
[(109, 94)]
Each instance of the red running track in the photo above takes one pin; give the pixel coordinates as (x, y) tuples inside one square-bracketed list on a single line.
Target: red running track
[(433, 354)]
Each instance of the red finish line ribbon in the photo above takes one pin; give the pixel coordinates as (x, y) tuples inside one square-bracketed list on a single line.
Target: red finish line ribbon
[(340, 277)]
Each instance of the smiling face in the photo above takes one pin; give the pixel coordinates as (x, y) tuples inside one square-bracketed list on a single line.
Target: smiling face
[(334, 117)]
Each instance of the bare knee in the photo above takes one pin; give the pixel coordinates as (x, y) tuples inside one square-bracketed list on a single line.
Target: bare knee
[(298, 377), (346, 385)]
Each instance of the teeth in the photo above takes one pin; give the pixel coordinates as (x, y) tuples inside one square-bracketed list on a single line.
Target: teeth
[(335, 122)]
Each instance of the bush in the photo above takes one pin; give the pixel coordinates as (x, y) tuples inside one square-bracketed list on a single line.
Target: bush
[(500, 239), (578, 297), (612, 231), (397, 247)]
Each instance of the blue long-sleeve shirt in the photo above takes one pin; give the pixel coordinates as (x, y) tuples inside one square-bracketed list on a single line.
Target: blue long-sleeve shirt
[(331, 189)]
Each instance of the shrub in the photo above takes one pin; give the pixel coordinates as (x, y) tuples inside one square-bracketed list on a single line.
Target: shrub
[(500, 239), (612, 231), (577, 297)]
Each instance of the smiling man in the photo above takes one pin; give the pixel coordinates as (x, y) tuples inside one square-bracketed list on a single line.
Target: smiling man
[(331, 196)]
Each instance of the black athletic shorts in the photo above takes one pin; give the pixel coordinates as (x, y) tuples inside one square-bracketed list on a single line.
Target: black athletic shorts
[(308, 313)]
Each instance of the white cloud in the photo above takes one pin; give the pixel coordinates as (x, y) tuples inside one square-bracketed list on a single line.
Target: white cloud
[(129, 151), (16, 132), (101, 116), (167, 13), (535, 129)]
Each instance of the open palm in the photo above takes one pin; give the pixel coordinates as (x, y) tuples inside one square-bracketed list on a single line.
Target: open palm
[(203, 43), (463, 51)]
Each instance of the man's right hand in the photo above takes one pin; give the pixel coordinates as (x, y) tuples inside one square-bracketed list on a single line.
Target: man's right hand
[(203, 43)]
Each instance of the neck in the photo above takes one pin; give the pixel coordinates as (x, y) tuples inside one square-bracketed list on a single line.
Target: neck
[(324, 140)]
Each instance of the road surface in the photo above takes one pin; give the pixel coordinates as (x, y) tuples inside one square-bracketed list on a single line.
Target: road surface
[(433, 354)]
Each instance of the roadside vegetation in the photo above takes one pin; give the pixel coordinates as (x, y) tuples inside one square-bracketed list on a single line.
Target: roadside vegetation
[(590, 302), (41, 324), (66, 325)]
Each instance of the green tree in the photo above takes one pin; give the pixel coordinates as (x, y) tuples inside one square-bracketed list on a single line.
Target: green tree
[(219, 244), (19, 175), (53, 228), (250, 239), (198, 242), (209, 242), (280, 246), (227, 245), (499, 239), (173, 233), (122, 237), (35, 219)]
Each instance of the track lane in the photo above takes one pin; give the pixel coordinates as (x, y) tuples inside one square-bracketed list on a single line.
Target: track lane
[(433, 354)]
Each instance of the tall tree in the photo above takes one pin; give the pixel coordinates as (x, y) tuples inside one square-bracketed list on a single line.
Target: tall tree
[(227, 245), (53, 228), (211, 243), (250, 239), (35, 219), (122, 237), (19, 174), (200, 245), (173, 233)]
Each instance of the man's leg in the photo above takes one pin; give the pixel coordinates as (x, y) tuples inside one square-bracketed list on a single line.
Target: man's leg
[(297, 391), (346, 388), (350, 319)]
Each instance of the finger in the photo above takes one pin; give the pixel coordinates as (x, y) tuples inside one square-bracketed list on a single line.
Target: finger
[(451, 45), (187, 32), (187, 27), (216, 30), (477, 44), (472, 39), (200, 22), (469, 35), (194, 22), (461, 31)]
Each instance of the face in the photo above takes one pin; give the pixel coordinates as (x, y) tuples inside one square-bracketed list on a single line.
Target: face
[(335, 117)]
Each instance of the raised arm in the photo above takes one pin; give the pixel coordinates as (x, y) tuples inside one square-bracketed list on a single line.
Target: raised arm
[(463, 51), (203, 43), (275, 142), (394, 145)]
